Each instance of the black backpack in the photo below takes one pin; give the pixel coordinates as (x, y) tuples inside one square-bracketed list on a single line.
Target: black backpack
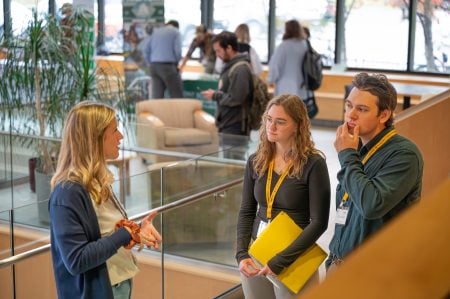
[(259, 99), (312, 69)]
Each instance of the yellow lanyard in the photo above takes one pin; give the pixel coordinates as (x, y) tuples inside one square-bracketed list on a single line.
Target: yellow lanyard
[(270, 196), (371, 153)]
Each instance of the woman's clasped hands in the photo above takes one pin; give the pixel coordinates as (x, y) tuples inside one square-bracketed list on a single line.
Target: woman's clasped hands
[(249, 268)]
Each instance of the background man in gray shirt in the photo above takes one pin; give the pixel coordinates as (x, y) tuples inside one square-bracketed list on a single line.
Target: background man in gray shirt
[(162, 54)]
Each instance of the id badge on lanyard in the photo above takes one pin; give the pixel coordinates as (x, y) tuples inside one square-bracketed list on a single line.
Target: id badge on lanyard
[(341, 215), (342, 211), (262, 226)]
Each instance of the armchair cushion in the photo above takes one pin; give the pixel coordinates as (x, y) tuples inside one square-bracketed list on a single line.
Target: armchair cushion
[(188, 136)]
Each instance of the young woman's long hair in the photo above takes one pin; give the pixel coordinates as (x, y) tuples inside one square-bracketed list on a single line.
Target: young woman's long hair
[(243, 33), (293, 29), (81, 158), (302, 144)]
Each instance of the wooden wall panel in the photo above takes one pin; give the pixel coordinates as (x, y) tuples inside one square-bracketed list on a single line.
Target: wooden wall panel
[(406, 259), (428, 125)]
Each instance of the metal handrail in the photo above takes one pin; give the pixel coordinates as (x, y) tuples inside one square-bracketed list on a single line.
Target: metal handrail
[(165, 208), (190, 156), (24, 255)]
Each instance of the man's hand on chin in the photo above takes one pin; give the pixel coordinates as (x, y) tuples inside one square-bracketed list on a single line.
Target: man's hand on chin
[(347, 136)]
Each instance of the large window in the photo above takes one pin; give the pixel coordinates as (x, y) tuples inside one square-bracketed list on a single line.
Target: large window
[(22, 12), (188, 15), (376, 36), (113, 35), (228, 14), (377, 33), (432, 39), (318, 16), (1, 20), (59, 3), (371, 34)]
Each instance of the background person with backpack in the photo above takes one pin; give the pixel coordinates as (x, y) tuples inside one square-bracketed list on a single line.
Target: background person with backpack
[(235, 86), (285, 64), (233, 96), (312, 75)]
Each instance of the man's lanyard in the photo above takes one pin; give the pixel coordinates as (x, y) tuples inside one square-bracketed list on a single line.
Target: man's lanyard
[(370, 154), (270, 196)]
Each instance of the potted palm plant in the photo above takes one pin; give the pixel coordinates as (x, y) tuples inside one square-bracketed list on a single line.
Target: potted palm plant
[(48, 68)]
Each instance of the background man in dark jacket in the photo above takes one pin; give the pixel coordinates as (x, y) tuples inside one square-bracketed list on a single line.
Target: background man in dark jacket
[(235, 86)]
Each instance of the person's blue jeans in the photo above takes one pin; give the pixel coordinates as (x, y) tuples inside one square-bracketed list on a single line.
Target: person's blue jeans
[(122, 290)]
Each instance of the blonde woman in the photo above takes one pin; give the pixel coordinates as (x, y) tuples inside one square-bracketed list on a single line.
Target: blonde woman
[(286, 157), (243, 35), (88, 225)]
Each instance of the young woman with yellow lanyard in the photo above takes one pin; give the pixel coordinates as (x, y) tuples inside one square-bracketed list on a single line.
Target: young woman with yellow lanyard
[(287, 173)]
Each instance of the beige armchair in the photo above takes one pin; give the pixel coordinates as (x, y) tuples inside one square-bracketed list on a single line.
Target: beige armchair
[(178, 125)]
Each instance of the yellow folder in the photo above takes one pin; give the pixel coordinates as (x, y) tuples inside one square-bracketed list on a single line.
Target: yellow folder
[(278, 235)]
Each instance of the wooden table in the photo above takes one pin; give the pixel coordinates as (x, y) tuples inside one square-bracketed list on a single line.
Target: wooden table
[(123, 165), (408, 90)]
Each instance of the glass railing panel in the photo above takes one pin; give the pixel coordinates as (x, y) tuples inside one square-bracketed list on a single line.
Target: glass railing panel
[(150, 186), (33, 216), (235, 147), (7, 174), (132, 185), (24, 216), (209, 222), (134, 193), (173, 181), (30, 162), (204, 230)]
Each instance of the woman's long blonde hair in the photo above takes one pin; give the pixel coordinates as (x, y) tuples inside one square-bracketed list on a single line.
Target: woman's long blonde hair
[(242, 33), (302, 144), (81, 158)]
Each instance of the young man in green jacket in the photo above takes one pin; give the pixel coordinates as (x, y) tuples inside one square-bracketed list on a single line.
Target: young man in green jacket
[(381, 171)]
